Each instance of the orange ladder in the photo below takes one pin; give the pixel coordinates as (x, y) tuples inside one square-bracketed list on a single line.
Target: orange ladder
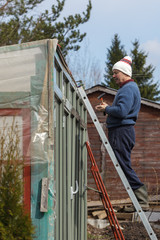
[(104, 197)]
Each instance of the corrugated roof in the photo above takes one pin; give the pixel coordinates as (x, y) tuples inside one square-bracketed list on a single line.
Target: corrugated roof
[(112, 91)]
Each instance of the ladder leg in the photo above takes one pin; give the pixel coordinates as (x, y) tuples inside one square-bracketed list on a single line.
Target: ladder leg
[(104, 197)]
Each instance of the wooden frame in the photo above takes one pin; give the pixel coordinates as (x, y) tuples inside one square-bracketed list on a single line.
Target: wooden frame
[(25, 114)]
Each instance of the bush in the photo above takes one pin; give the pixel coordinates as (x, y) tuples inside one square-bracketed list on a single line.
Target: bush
[(15, 223)]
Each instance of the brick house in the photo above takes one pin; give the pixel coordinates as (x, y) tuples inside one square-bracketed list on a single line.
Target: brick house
[(145, 155)]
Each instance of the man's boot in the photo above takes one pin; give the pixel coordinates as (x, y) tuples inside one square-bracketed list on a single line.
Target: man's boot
[(142, 197)]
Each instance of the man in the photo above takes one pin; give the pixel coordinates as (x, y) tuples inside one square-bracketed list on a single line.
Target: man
[(122, 116)]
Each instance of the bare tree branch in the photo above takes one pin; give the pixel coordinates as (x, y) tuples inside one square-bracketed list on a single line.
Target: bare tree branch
[(1, 8)]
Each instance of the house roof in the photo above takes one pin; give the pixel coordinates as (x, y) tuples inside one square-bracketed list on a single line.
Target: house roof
[(112, 91)]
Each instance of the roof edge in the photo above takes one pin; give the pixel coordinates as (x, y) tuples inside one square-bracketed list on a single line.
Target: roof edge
[(112, 91)]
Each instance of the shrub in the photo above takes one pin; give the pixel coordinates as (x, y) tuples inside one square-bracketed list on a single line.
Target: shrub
[(15, 223)]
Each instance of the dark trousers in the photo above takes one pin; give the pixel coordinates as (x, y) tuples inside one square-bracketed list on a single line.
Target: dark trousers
[(122, 140)]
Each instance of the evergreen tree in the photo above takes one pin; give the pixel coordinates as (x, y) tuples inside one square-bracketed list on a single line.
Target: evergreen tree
[(15, 224), (19, 23), (143, 75), (114, 54)]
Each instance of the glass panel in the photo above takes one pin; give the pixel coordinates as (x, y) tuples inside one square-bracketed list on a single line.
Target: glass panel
[(58, 75), (11, 132)]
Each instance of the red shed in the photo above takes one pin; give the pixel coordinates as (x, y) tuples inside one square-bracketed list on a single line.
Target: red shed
[(145, 155)]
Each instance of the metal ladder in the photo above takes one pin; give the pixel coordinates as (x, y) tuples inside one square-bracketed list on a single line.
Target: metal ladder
[(116, 229), (116, 164)]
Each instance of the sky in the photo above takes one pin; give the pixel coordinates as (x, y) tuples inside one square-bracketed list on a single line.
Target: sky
[(138, 19)]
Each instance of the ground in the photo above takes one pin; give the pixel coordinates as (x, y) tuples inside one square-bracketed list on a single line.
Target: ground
[(131, 231)]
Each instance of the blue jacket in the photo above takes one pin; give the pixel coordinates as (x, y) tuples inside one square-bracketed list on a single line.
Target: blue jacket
[(125, 107)]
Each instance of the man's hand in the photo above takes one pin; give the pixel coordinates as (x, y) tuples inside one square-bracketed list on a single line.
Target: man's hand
[(101, 107)]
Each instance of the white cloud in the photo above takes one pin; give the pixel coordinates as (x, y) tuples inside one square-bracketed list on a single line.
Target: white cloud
[(152, 47)]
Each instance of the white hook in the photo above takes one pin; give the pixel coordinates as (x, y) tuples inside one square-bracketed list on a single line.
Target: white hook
[(74, 192)]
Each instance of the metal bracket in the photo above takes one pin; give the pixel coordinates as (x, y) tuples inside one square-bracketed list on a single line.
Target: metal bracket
[(89, 188), (44, 195), (45, 190), (74, 192)]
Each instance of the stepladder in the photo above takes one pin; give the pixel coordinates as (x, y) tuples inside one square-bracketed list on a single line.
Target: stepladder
[(116, 229), (116, 164)]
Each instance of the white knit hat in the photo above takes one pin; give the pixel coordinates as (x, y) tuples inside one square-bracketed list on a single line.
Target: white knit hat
[(124, 65)]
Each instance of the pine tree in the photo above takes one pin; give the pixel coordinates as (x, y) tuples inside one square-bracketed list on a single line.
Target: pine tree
[(114, 54), (15, 224), (19, 24), (143, 75)]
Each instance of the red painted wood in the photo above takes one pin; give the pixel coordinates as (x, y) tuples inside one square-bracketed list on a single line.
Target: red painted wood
[(25, 113)]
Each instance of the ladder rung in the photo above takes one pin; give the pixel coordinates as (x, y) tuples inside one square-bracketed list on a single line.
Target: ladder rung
[(105, 199)]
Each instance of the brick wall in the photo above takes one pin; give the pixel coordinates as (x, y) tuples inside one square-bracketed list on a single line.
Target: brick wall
[(145, 155)]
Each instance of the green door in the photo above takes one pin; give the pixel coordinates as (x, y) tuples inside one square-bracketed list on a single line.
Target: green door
[(70, 158)]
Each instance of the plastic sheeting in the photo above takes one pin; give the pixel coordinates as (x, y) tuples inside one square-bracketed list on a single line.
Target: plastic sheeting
[(42, 115), (24, 85), (24, 123)]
